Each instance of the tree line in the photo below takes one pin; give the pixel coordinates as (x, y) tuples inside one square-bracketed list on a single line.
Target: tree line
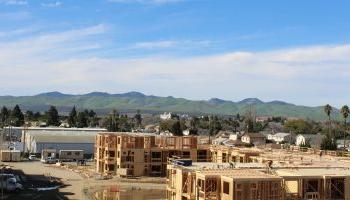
[(80, 119), (329, 141)]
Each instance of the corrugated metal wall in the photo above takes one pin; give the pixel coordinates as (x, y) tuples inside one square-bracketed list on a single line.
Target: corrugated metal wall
[(87, 147)]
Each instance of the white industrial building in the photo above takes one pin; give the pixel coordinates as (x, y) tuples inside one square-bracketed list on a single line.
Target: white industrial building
[(36, 140)]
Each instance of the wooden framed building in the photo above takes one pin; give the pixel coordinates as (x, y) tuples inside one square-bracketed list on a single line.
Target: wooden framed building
[(212, 181), (136, 154)]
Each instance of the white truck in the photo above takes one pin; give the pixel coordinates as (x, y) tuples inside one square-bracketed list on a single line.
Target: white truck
[(48, 156), (71, 155), (9, 182)]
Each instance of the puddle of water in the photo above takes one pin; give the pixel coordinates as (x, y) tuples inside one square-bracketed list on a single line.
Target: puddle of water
[(116, 194)]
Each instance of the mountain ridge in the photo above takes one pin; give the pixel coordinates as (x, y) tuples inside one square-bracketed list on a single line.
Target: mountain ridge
[(104, 101)]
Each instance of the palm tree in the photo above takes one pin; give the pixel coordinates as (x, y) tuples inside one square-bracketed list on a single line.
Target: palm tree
[(345, 112), (328, 109), (235, 125)]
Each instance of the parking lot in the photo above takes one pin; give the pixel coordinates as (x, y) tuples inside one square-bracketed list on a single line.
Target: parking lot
[(43, 181)]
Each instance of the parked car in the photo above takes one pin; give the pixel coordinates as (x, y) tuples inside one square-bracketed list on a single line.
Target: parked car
[(32, 157), (9, 182), (49, 160)]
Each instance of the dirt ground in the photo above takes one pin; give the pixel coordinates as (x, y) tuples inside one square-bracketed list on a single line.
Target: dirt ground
[(74, 185)]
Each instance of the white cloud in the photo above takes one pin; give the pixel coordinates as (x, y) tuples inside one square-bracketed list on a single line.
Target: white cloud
[(312, 75), (49, 45), (20, 15), (146, 1), (16, 32), (14, 2), (162, 44), (52, 4)]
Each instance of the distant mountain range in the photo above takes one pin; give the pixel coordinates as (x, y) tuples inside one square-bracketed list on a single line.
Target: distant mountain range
[(103, 102)]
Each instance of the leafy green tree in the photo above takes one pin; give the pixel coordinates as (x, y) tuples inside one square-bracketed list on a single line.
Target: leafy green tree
[(194, 122), (72, 118), (165, 125), (193, 131), (214, 125), (16, 117), (328, 110), (37, 116), (238, 117), (235, 124), (183, 124), (306, 144), (124, 124), (52, 118), (249, 124), (328, 143), (82, 120), (93, 119), (176, 128), (111, 122), (298, 126), (259, 126), (345, 112), (172, 125), (138, 119), (4, 114), (29, 116), (175, 116)]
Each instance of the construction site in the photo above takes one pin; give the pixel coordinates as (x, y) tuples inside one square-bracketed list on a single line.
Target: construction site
[(133, 154), (197, 170), (251, 173)]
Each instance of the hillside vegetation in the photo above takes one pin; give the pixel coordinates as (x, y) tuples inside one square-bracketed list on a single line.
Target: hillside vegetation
[(104, 102)]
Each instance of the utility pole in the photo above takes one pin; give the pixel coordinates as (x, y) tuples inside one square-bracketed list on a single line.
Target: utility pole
[(2, 182), (24, 137)]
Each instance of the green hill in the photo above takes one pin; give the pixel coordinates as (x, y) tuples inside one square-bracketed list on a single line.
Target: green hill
[(103, 102)]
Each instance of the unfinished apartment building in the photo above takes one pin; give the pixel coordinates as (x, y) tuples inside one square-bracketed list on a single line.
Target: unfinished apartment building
[(224, 154), (136, 154), (209, 181)]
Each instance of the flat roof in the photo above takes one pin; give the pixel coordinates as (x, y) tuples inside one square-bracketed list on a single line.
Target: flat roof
[(313, 172), (199, 166), (35, 133), (55, 128), (130, 134), (239, 174)]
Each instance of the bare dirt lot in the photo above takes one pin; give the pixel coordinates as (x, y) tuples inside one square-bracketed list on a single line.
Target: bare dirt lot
[(74, 185)]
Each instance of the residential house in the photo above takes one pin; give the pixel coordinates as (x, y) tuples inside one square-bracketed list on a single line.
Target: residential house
[(314, 140), (165, 116), (281, 138), (235, 136), (343, 143), (254, 138)]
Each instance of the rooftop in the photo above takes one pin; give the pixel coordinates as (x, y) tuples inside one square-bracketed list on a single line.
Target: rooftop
[(200, 166), (314, 172), (238, 174), (281, 134), (256, 135), (58, 128), (54, 132)]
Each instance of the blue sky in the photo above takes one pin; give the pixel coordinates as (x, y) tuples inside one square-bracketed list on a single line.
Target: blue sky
[(296, 51)]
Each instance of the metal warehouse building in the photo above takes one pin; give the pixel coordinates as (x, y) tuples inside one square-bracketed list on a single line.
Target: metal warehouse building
[(68, 139)]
